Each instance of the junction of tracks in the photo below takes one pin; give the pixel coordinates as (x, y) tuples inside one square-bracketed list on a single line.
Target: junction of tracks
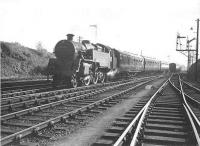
[(151, 110)]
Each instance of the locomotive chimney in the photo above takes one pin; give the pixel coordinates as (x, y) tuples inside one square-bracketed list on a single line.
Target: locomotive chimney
[(70, 37)]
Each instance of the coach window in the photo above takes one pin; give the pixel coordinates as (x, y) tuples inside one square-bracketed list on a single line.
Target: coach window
[(126, 59), (129, 60), (106, 50), (122, 59)]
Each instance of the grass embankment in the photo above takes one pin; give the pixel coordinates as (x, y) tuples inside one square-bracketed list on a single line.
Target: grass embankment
[(20, 62)]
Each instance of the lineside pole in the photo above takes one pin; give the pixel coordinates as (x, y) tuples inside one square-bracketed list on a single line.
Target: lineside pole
[(197, 50)]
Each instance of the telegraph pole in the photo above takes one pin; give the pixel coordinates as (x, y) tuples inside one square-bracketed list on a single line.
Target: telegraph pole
[(95, 35), (189, 50), (197, 50)]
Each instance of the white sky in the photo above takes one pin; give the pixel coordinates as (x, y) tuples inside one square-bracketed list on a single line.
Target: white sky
[(129, 25)]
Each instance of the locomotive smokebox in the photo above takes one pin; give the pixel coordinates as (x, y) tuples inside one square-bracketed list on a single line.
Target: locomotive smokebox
[(66, 52)]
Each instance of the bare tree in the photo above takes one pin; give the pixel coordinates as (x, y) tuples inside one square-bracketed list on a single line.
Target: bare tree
[(41, 49)]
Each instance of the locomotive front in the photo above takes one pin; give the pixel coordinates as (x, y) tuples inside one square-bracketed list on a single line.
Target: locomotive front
[(66, 62)]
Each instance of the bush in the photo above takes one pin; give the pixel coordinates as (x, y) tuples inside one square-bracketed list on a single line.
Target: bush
[(17, 60)]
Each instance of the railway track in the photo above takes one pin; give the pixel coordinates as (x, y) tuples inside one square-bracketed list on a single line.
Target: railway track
[(13, 88), (10, 100), (14, 104), (166, 118), (29, 121), (21, 88), (191, 91)]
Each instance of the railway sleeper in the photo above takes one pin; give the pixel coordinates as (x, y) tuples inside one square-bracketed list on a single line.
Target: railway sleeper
[(165, 117), (8, 131), (126, 119), (31, 119), (103, 142), (106, 105), (110, 136), (115, 129), (18, 124), (167, 105), (130, 115), (164, 121), (166, 133), (95, 111), (154, 139), (85, 115), (120, 123), (79, 118), (165, 126), (167, 108), (166, 112)]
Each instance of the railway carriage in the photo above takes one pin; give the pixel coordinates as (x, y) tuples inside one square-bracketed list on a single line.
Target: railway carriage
[(130, 63), (172, 67), (151, 64)]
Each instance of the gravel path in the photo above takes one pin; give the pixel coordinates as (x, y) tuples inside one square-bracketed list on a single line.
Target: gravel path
[(88, 134)]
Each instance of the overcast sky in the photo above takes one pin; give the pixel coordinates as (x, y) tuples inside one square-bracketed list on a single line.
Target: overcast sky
[(129, 25)]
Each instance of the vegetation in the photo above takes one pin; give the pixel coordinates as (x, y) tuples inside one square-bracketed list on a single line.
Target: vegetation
[(18, 61)]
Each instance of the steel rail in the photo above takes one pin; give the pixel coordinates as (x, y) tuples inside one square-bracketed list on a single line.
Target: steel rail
[(133, 122), (139, 125), (187, 107), (48, 99), (134, 139), (23, 98), (27, 99), (56, 92), (191, 98), (42, 125), (192, 124), (196, 89), (22, 112), (25, 92), (71, 89), (18, 90), (42, 99), (190, 85), (193, 115), (24, 81), (6, 89)]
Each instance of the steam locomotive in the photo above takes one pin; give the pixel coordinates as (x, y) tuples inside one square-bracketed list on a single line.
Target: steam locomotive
[(85, 63)]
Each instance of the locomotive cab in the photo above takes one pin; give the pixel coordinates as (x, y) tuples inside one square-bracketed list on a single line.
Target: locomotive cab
[(101, 57)]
